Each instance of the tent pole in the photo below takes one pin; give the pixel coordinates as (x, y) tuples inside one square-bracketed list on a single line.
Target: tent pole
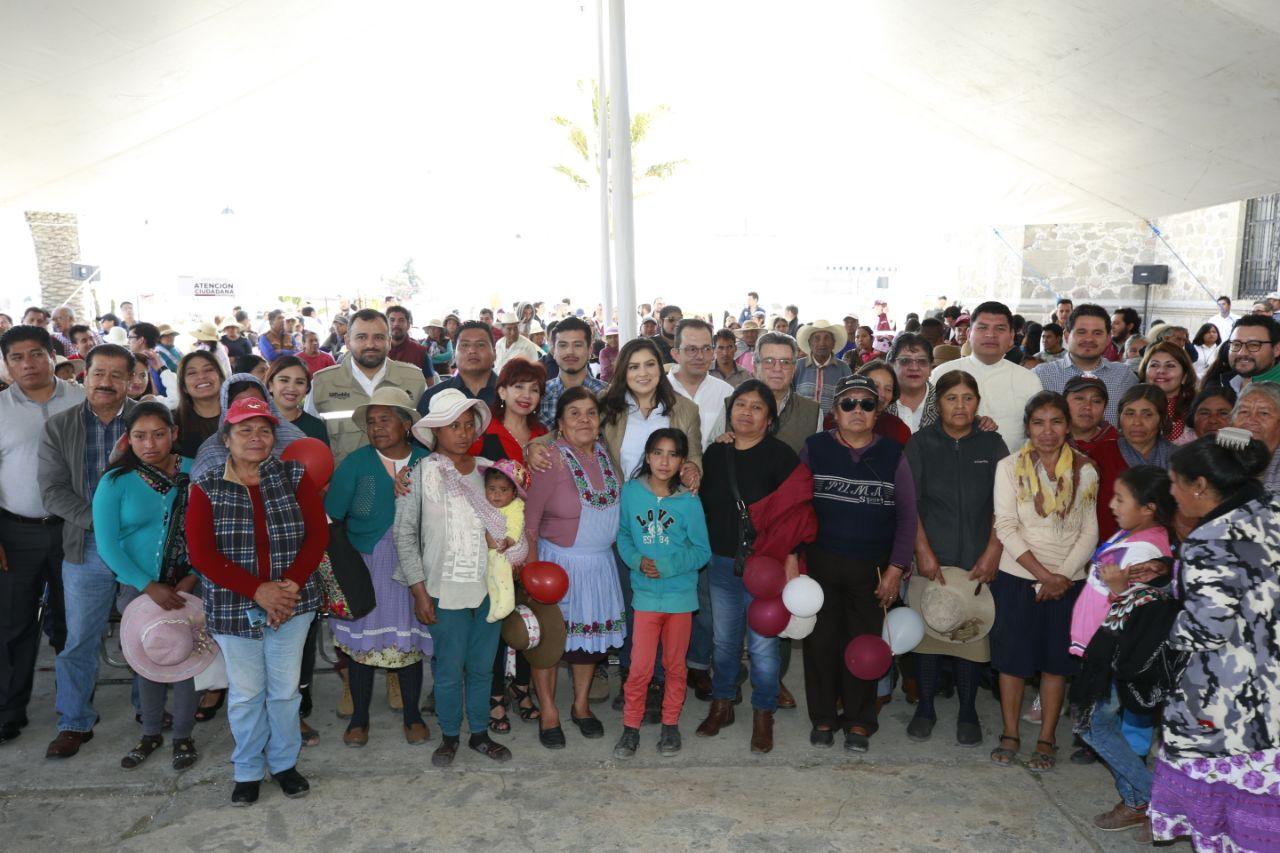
[(620, 122), (602, 157)]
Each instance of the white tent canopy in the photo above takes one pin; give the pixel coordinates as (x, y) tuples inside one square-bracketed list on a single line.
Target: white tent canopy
[(377, 121)]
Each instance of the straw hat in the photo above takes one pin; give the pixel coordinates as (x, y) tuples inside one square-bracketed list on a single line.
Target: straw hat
[(387, 395), (444, 409), (166, 645), (957, 615), (205, 332), (750, 325), (836, 329), (550, 630), (434, 324), (165, 330)]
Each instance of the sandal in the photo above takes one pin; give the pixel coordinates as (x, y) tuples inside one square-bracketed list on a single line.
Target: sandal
[(1043, 762), (184, 753), (137, 755), (521, 694), (499, 725), (205, 713), (310, 737), (490, 748), (1002, 755)]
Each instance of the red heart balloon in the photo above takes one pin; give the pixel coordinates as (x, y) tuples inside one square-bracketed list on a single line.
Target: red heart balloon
[(545, 582), (316, 459)]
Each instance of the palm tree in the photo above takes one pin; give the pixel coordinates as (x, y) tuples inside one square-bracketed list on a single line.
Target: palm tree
[(587, 147)]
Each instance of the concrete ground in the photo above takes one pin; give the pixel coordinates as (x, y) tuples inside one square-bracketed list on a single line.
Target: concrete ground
[(715, 795)]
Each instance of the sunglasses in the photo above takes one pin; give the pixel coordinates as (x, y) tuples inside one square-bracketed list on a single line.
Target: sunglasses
[(848, 405)]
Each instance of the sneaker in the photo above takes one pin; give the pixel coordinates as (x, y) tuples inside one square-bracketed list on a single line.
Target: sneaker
[(1121, 817), (669, 741), (245, 793), (292, 783), (627, 744), (599, 686)]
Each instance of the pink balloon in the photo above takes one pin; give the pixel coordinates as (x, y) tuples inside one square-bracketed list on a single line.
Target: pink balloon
[(868, 657), (764, 577), (768, 616)]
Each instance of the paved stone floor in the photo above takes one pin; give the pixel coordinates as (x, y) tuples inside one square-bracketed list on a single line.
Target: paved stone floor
[(715, 795)]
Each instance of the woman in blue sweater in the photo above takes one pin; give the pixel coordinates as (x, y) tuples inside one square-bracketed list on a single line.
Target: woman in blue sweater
[(662, 537), (138, 518)]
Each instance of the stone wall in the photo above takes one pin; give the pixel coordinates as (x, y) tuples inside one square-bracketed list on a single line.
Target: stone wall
[(57, 243)]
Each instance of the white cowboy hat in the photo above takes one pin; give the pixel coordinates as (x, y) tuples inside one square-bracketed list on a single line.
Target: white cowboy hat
[(957, 615), (505, 318), (445, 408), (535, 328), (836, 329), (387, 395)]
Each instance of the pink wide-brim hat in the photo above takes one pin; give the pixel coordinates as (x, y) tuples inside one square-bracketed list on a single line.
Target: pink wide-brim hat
[(167, 646)]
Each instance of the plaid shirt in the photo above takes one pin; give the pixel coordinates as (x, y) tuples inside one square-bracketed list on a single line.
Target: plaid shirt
[(806, 380), (555, 390), (99, 439), (226, 611), (1116, 375)]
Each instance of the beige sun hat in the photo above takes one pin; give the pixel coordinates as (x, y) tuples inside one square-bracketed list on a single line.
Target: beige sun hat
[(505, 318), (445, 408), (387, 395), (205, 332), (749, 326), (836, 329), (957, 615)]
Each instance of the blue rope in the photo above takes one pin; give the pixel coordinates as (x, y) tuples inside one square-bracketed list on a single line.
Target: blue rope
[(1043, 278), (1185, 265)]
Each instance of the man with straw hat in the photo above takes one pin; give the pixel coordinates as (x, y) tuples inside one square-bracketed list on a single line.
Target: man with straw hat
[(820, 371)]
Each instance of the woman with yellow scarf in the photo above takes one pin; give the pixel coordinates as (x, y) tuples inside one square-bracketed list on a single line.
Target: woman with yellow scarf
[(1045, 518)]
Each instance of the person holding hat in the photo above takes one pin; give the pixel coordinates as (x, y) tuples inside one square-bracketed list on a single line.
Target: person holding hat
[(820, 371), (362, 494), (139, 510), (256, 530), (443, 530), (864, 498), (956, 550)]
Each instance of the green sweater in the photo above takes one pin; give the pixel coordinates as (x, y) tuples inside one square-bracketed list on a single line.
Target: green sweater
[(363, 495)]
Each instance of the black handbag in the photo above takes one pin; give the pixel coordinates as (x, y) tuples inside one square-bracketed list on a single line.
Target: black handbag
[(746, 530), (349, 575)]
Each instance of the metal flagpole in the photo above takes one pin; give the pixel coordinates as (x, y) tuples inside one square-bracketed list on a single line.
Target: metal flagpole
[(602, 118), (620, 154)]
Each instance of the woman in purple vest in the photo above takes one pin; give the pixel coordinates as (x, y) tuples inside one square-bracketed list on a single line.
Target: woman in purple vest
[(865, 500)]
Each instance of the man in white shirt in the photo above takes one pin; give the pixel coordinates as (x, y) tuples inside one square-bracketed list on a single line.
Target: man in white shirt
[(694, 355), (513, 344), (1223, 321), (1005, 387)]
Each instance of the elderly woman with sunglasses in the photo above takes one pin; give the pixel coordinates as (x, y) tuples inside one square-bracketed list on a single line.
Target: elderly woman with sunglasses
[(864, 496)]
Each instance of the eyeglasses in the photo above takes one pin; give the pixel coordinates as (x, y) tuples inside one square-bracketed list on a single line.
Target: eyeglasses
[(848, 405), (691, 350), (1252, 347), (778, 362)]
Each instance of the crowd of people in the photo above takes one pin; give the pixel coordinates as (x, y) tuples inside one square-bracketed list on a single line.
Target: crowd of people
[(1074, 505)]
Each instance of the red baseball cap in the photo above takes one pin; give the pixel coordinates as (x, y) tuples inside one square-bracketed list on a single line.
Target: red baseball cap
[(247, 408)]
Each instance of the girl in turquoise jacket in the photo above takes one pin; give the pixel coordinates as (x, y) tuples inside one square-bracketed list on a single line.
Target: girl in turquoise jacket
[(662, 537)]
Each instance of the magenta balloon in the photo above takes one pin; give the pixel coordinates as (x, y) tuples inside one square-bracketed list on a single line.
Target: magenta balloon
[(868, 657), (768, 616), (764, 577)]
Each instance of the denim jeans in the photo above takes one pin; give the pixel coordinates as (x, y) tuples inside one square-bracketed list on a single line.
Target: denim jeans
[(729, 602), (88, 590), (465, 644), (703, 637), (1133, 779), (263, 697)]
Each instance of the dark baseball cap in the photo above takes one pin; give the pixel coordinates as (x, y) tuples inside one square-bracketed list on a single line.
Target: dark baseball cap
[(856, 382), (1083, 381)]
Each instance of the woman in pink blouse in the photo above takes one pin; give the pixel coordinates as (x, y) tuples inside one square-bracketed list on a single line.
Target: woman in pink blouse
[(571, 518)]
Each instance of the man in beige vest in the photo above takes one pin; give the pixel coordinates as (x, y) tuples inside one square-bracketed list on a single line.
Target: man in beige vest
[(336, 391)]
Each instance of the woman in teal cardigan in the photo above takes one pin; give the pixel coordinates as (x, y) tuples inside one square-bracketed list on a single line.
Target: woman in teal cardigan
[(362, 494), (138, 512)]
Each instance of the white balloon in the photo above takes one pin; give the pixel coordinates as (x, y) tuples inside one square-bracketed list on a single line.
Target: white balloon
[(799, 627), (903, 630), (802, 596)]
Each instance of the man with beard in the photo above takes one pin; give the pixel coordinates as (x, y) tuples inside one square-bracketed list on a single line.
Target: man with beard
[(1124, 323), (405, 348), (337, 391), (1252, 351), (30, 536), (75, 449), (571, 348)]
